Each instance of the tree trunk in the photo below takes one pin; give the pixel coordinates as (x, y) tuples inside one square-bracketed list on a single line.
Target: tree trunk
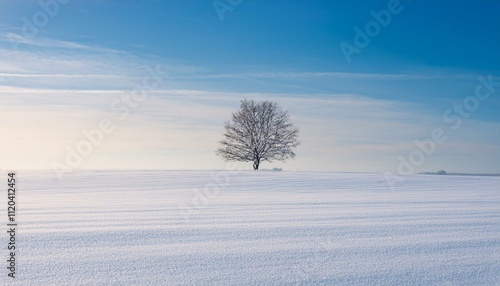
[(255, 165), (256, 159)]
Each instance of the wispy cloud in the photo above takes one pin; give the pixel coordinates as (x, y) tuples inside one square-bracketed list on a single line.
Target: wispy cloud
[(24, 75), (14, 39), (337, 75), (44, 63)]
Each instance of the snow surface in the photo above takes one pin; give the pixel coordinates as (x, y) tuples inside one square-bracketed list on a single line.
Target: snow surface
[(255, 228)]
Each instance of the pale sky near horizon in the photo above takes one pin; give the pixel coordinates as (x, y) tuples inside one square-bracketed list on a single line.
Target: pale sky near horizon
[(68, 66)]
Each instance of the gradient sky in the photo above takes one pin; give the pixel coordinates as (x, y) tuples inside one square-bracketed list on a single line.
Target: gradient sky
[(66, 68)]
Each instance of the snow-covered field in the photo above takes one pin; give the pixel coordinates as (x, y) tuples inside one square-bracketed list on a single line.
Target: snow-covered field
[(254, 228)]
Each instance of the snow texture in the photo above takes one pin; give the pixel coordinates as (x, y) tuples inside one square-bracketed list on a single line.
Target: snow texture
[(254, 228)]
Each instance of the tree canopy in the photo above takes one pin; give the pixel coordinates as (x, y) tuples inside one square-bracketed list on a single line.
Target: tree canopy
[(257, 132)]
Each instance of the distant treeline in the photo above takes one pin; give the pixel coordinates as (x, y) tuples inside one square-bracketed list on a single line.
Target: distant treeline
[(456, 174)]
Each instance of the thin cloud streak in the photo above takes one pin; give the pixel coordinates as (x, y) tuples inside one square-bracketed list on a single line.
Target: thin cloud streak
[(13, 38), (339, 75), (58, 75)]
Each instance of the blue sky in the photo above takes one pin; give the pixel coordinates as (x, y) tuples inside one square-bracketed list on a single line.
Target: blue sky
[(65, 68)]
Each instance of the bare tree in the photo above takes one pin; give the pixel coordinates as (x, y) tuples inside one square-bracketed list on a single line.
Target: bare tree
[(259, 131)]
